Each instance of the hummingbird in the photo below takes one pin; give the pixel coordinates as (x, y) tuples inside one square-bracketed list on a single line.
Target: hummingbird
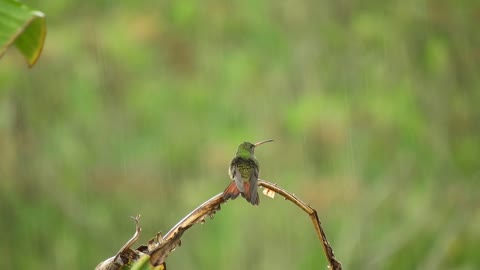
[(244, 172)]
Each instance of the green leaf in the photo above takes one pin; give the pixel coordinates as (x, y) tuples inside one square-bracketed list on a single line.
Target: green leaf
[(23, 27), (143, 263)]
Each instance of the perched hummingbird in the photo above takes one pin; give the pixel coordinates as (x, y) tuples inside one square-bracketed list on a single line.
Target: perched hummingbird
[(244, 172)]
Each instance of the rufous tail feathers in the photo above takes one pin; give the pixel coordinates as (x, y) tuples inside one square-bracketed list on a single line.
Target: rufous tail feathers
[(231, 192)]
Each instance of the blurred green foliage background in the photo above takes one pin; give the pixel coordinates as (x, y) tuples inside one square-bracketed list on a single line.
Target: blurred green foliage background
[(138, 107)]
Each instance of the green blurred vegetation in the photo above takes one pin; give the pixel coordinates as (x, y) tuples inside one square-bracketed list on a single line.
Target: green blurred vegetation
[(138, 107)]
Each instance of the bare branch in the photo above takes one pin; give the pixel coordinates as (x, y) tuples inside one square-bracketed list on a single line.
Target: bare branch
[(172, 239), (160, 247)]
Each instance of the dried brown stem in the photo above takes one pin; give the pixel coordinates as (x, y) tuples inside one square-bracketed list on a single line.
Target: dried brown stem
[(124, 254), (160, 247), (334, 264), (134, 238), (172, 239)]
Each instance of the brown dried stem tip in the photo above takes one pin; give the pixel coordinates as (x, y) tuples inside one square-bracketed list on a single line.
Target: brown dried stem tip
[(327, 249), (125, 254)]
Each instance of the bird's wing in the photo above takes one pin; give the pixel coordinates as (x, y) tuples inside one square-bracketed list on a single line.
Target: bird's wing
[(253, 186), (231, 170), (236, 175), (238, 179)]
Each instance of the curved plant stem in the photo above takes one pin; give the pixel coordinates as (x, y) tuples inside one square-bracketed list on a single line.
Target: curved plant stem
[(160, 247), (172, 239), (334, 263)]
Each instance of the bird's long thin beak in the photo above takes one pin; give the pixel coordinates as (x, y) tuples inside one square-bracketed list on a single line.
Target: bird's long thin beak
[(262, 142)]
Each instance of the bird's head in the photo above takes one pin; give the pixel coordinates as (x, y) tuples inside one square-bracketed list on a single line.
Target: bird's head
[(248, 149)]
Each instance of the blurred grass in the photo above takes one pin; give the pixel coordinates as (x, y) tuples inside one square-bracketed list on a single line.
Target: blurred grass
[(138, 107)]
